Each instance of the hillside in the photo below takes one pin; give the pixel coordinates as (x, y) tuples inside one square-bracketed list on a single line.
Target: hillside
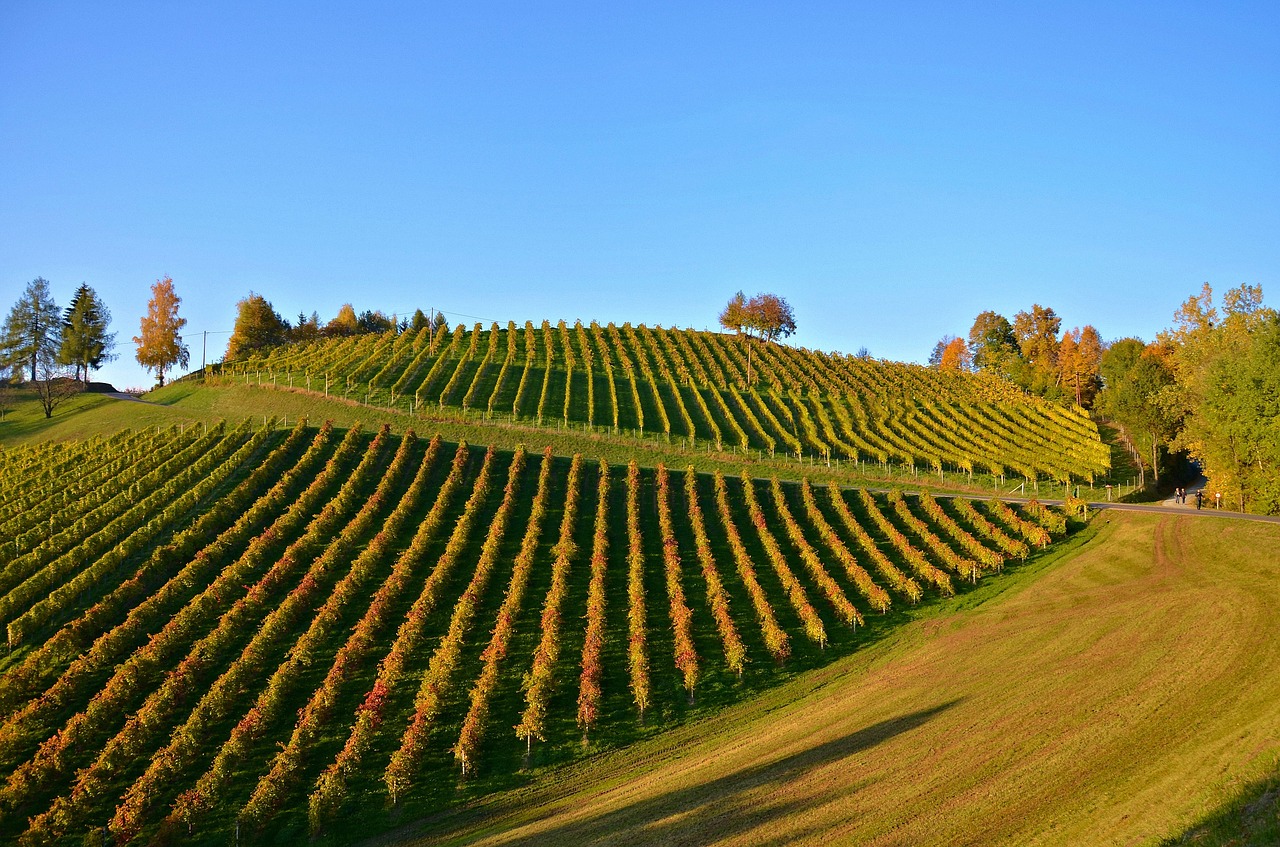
[(691, 386), (173, 598), (1119, 694)]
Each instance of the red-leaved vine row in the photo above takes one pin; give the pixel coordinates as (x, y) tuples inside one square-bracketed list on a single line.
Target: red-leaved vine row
[(735, 653), (835, 595), (922, 567), (980, 553), (178, 757), (967, 568), (813, 626), (775, 640), (877, 596), (141, 730), (681, 617), (1008, 545), (473, 726), (540, 679), (1032, 532), (273, 788), (637, 627), (330, 789), (86, 729), (25, 679), (138, 671), (589, 692), (896, 579), (438, 680)]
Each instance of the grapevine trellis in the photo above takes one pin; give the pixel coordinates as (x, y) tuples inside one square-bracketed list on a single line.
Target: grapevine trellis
[(238, 628), (693, 387)]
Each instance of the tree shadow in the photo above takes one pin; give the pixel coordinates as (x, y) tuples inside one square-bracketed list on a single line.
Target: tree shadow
[(719, 808)]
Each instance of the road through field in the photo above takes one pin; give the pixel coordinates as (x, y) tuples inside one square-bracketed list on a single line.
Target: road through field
[(1111, 698)]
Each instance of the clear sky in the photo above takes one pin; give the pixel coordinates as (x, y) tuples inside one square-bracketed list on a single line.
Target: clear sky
[(890, 168)]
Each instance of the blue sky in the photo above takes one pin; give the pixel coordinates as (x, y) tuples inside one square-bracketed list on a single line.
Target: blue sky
[(891, 168)]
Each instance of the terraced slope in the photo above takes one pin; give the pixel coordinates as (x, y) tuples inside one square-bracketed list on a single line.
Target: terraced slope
[(702, 386), (282, 631)]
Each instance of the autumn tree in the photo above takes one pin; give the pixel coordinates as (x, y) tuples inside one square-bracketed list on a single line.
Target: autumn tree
[(734, 316), (765, 316), (955, 356), (86, 344), (343, 323), (992, 344), (31, 331), (1079, 356), (951, 354), (160, 344), (771, 317), (258, 326), (1037, 334), (305, 328), (1226, 392)]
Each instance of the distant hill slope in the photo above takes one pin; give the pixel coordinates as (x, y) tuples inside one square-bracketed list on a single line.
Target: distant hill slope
[(716, 388), (286, 629)]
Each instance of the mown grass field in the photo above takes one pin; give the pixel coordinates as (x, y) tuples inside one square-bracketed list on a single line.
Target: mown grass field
[(1119, 693)]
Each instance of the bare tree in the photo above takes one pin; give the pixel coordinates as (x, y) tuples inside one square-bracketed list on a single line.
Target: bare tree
[(54, 384)]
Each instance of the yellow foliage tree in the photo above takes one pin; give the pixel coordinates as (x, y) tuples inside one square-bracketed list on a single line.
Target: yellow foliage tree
[(955, 356), (344, 323), (1079, 358), (160, 344)]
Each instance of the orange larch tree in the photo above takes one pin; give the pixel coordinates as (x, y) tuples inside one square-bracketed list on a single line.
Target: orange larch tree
[(160, 344)]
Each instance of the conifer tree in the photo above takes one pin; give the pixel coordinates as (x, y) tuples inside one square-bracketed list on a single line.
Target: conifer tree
[(31, 330), (86, 344)]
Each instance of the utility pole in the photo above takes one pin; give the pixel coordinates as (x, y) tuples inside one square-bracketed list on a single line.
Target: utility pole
[(204, 349)]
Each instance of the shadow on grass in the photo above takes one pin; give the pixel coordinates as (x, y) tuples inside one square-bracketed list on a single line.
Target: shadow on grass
[(1250, 818), (719, 808)]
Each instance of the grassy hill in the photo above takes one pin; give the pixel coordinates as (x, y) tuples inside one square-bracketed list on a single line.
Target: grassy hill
[(222, 620), (173, 597), (1121, 692)]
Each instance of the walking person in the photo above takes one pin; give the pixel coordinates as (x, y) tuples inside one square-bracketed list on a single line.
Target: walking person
[(1199, 499)]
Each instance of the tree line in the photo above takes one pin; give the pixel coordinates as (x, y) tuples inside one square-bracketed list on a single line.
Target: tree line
[(1207, 389), (1030, 353), (59, 349), (260, 327)]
